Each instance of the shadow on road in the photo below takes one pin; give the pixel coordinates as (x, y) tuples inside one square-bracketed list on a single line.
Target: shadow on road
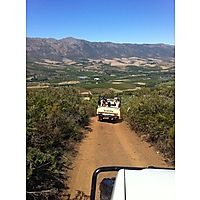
[(112, 121), (80, 195)]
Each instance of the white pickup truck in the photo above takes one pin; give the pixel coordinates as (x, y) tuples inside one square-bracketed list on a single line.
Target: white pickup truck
[(108, 108), (152, 183)]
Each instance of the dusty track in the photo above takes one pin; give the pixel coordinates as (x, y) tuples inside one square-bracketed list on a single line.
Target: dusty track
[(107, 144)]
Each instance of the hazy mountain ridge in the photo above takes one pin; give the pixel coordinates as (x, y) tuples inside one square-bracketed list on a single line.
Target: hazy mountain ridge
[(72, 48)]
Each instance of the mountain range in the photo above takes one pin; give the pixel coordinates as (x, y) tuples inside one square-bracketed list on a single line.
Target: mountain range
[(71, 48)]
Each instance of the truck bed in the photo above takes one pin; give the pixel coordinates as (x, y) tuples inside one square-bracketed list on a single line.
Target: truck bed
[(109, 112)]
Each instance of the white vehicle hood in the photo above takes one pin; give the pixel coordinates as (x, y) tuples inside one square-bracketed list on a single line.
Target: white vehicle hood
[(155, 184)]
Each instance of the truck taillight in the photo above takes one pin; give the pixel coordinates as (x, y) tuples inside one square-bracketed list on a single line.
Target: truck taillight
[(115, 114), (100, 113)]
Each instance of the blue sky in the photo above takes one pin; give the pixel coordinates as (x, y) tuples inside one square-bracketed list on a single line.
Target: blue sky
[(121, 21)]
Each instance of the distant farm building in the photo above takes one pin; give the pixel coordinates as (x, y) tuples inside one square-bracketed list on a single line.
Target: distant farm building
[(83, 77)]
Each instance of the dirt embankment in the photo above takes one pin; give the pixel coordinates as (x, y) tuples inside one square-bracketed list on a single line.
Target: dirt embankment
[(107, 144)]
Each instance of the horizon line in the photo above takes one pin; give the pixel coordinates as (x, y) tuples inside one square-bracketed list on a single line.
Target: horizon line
[(37, 37)]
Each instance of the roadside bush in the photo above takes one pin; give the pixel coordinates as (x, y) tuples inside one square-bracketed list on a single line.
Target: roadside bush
[(91, 106), (55, 117), (152, 114)]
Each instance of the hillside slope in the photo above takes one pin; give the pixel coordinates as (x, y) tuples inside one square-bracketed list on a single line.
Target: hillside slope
[(71, 48)]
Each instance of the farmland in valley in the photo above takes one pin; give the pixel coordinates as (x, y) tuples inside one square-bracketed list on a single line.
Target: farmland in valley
[(122, 74)]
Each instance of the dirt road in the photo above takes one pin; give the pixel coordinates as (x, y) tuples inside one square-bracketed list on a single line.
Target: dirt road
[(108, 144)]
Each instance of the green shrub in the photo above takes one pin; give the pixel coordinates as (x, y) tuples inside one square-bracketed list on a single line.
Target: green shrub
[(55, 117), (152, 114)]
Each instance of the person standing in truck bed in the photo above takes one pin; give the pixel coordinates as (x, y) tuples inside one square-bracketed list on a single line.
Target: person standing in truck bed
[(103, 102), (117, 102)]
